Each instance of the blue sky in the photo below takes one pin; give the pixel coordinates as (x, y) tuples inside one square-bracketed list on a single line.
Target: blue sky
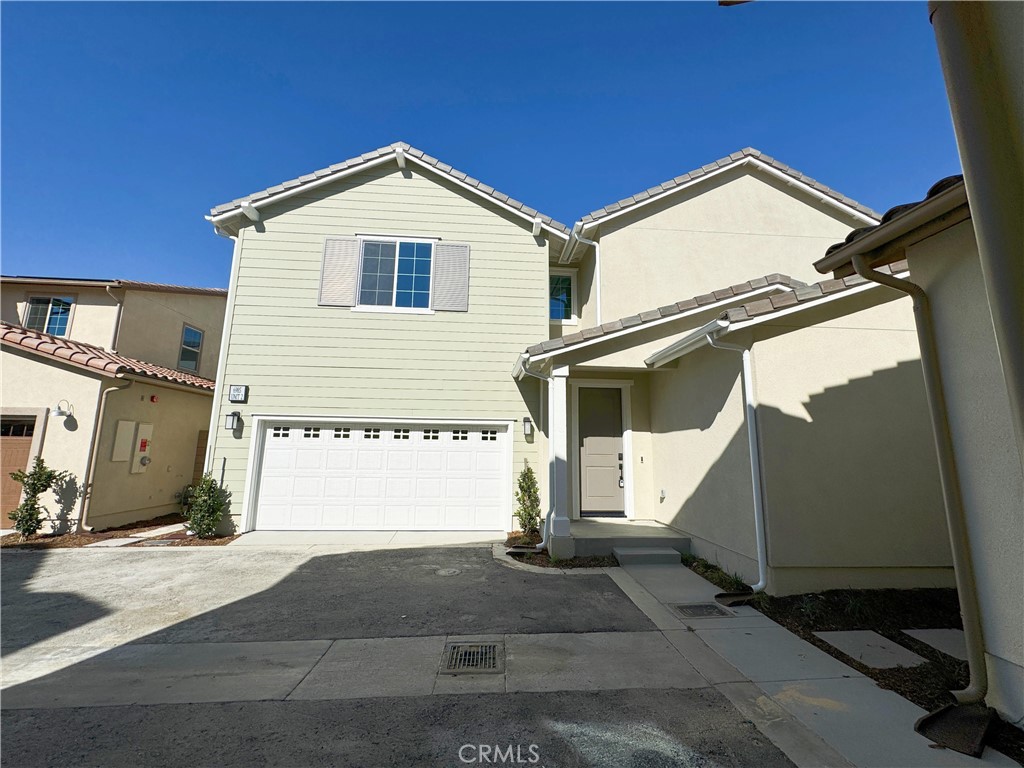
[(124, 123)]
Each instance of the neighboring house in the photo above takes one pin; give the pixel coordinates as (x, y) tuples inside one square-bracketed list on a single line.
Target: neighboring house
[(973, 415), (113, 381), (377, 307)]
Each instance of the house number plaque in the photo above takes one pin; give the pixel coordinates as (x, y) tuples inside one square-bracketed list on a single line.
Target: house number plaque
[(238, 393)]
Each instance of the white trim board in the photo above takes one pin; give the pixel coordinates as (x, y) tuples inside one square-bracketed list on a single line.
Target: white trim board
[(625, 386)]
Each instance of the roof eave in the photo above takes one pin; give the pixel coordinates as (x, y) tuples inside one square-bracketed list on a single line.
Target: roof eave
[(887, 241)]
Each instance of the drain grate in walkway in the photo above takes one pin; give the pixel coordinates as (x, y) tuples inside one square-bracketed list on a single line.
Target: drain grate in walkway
[(473, 658), (702, 610)]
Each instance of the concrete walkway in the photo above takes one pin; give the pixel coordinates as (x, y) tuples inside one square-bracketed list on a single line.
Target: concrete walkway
[(867, 725)]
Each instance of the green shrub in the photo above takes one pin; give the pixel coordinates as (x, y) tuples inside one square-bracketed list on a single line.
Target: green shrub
[(528, 498), (28, 517), (203, 505)]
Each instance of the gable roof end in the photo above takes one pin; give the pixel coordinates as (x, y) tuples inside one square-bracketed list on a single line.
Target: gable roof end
[(399, 151), (744, 155)]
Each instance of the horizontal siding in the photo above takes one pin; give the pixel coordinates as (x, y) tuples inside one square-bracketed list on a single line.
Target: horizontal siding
[(299, 358)]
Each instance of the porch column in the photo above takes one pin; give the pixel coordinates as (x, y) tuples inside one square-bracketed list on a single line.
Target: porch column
[(560, 544)]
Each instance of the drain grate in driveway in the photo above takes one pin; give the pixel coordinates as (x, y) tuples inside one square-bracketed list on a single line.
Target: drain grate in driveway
[(702, 610), (473, 658)]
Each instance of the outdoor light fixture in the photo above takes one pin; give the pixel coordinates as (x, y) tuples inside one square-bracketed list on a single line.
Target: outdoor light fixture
[(59, 413), (527, 426), (233, 420)]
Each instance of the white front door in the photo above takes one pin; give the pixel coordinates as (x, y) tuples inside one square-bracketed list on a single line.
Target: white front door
[(324, 476)]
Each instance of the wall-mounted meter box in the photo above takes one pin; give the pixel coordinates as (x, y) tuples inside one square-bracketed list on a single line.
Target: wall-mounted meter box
[(141, 449)]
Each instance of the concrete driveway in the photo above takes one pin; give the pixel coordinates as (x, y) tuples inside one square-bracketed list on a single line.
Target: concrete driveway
[(247, 655)]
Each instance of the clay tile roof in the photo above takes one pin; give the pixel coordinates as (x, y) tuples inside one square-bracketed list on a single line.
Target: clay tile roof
[(667, 311), (735, 157), (94, 358), (898, 210), (355, 162), (803, 295)]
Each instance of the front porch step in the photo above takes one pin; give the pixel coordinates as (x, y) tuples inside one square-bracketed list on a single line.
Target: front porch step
[(646, 555)]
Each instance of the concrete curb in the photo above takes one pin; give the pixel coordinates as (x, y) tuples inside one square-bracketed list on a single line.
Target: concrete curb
[(498, 551)]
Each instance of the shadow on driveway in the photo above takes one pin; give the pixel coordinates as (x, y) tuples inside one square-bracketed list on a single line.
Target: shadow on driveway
[(27, 618)]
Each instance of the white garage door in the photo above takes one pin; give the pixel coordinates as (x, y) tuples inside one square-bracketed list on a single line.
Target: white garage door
[(384, 477)]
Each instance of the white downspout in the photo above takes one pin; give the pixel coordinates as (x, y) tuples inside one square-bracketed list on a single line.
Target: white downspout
[(597, 271), (546, 527), (963, 566), (750, 413), (90, 471), (117, 319)]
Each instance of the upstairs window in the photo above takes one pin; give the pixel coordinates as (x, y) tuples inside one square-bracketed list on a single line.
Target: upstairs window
[(562, 296), (396, 274), (49, 314), (191, 347)]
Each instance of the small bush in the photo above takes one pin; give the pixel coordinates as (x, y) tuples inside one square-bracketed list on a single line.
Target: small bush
[(203, 505), (28, 517), (528, 498)]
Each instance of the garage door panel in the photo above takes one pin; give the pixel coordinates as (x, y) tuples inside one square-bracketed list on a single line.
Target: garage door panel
[(337, 516), (384, 478)]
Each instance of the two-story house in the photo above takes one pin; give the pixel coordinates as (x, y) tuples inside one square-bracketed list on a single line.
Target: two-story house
[(111, 380), (401, 339)]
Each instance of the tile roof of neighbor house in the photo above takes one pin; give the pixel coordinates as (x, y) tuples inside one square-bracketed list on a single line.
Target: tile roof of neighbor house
[(803, 295), (137, 285), (376, 154), (735, 157), (899, 210), (95, 358), (667, 311)]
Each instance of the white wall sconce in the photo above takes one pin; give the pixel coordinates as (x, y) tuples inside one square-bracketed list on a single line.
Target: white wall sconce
[(527, 426), (233, 420), (59, 412)]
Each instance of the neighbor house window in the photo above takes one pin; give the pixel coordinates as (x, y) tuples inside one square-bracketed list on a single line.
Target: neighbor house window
[(395, 273), (562, 296), (191, 346), (49, 314)]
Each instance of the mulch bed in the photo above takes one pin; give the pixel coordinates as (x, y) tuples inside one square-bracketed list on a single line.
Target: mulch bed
[(887, 612), (184, 540), (543, 560), (73, 540), (520, 539)]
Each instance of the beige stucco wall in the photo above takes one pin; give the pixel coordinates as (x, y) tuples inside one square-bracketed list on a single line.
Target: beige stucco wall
[(26, 383), (727, 230), (825, 394), (152, 323), (177, 417), (92, 317), (299, 358), (701, 460), (837, 496), (988, 462)]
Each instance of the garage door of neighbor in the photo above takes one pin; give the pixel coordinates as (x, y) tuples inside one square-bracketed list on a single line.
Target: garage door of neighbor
[(317, 476)]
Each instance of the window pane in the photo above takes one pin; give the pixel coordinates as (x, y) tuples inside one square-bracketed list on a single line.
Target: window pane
[(192, 338), (189, 359), (403, 299), (406, 250), (421, 283), (421, 300), (60, 313), (36, 317), (404, 282), (378, 275), (561, 297)]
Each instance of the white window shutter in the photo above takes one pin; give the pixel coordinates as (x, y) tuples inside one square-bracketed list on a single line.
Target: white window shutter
[(339, 273), (451, 277)]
